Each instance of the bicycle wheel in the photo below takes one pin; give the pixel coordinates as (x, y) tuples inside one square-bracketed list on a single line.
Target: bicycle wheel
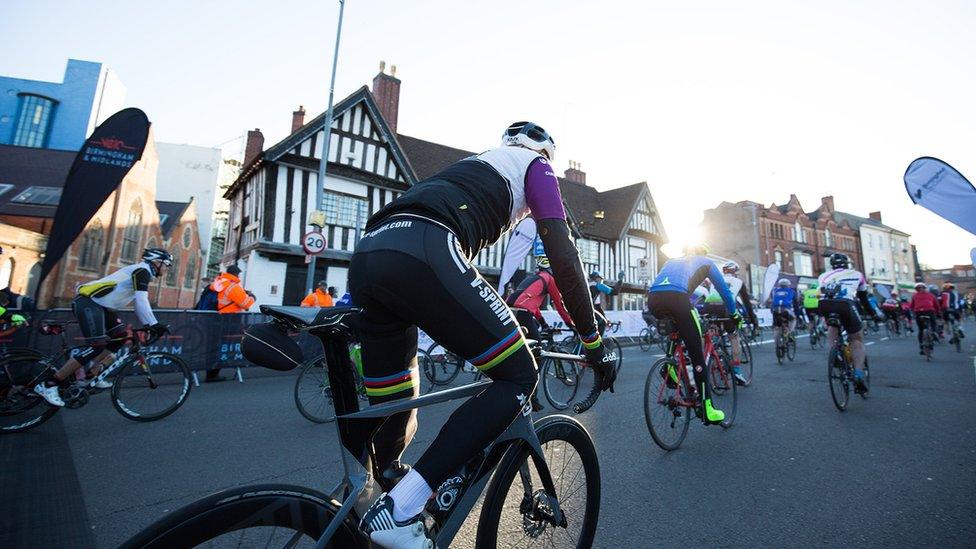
[(958, 340), (560, 382), (662, 405), (20, 408), (516, 503), (446, 365), (264, 515), (928, 345), (867, 377), (780, 350), (313, 394), (840, 388), (151, 386), (791, 349), (644, 339), (745, 361), (723, 387)]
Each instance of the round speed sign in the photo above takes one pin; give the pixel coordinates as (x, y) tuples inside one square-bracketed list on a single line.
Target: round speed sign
[(313, 242)]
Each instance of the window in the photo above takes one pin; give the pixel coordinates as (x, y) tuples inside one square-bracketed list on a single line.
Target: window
[(41, 196), (871, 241), (189, 277), (187, 236), (345, 210), (828, 239), (91, 246), (33, 121), (6, 271), (589, 251), (802, 264), (798, 234), (884, 265), (132, 233), (4, 187), (172, 271), (33, 276), (779, 258), (163, 218)]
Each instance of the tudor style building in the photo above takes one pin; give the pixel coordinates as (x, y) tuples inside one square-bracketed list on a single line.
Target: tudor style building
[(370, 164)]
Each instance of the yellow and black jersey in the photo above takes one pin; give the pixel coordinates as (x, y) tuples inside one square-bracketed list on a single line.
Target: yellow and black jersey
[(118, 289)]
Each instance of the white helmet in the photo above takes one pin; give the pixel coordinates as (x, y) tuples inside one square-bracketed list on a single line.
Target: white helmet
[(730, 267), (530, 136)]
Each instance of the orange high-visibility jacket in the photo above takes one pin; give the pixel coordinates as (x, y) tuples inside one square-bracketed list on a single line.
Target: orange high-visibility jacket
[(231, 297), (318, 298)]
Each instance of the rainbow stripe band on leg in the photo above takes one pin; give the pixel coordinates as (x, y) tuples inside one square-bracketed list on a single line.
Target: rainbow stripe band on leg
[(591, 341), (499, 351), (387, 385)]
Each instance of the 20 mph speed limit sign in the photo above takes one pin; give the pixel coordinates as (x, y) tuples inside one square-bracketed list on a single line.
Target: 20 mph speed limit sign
[(313, 242)]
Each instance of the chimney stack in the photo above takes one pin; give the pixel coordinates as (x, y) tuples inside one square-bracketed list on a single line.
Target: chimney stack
[(875, 216), (828, 203), (255, 145), (386, 91), (297, 118), (575, 174)]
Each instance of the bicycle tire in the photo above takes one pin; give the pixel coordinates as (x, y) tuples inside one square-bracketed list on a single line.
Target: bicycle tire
[(312, 384), (955, 334), (644, 339), (141, 364), (745, 362), (517, 461), (779, 352), (557, 375), (867, 378), (447, 365), (791, 349), (295, 508), (840, 390), (22, 411), (721, 383), (614, 345), (658, 396), (928, 345)]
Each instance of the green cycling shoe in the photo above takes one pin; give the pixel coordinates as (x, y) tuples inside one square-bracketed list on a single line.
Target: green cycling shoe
[(712, 414)]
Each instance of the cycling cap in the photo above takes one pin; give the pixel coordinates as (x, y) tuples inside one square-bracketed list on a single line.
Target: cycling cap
[(730, 267), (530, 136), (839, 261), (595, 274), (542, 262), (920, 286)]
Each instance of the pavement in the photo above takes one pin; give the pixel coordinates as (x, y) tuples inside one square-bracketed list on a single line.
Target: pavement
[(896, 469)]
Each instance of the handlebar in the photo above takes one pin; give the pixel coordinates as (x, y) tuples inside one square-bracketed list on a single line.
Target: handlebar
[(536, 348)]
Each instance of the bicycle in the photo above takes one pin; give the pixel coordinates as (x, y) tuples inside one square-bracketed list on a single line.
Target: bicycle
[(818, 335), (785, 343), (647, 338), (521, 495), (840, 367), (957, 334), (670, 394), (928, 336), (745, 356), (313, 394), (140, 376), (444, 366)]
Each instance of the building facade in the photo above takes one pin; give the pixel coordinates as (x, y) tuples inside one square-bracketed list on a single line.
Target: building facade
[(888, 254), (128, 222), (369, 165), (962, 276), (59, 115)]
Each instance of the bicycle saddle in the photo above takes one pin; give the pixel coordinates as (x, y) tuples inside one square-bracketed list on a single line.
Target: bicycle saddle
[(313, 317)]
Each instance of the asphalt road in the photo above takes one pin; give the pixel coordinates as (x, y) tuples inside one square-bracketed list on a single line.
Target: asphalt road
[(897, 469)]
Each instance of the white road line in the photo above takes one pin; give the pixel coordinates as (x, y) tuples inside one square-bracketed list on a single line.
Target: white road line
[(870, 342), (884, 338)]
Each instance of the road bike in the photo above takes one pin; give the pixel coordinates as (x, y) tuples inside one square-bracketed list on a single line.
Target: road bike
[(647, 338), (523, 497), (818, 335), (925, 323), (957, 335), (840, 367), (785, 342), (147, 385), (745, 355), (313, 393), (670, 395)]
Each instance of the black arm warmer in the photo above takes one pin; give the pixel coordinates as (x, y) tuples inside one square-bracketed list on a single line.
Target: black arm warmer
[(862, 296), (747, 303), (567, 269)]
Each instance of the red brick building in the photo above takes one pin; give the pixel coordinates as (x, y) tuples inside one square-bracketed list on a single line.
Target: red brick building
[(31, 181)]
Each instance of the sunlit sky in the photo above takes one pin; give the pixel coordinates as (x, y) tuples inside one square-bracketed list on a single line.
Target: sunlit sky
[(706, 101)]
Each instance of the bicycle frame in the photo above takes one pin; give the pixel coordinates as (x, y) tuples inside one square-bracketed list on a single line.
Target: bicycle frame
[(358, 487)]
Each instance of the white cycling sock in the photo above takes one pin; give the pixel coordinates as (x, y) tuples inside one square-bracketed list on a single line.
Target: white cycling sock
[(410, 495)]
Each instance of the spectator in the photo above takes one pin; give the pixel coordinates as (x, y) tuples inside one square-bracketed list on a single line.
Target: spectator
[(333, 293), (231, 298), (319, 297)]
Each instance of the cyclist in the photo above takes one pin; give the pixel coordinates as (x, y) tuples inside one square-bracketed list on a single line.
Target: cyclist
[(715, 307), (786, 307), (949, 301), (95, 308), (597, 292), (926, 308), (811, 305), (670, 296), (413, 269), (892, 310), (839, 288), (527, 300), (906, 311)]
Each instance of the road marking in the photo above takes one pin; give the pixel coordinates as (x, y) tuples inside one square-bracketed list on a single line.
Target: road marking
[(884, 338), (870, 342)]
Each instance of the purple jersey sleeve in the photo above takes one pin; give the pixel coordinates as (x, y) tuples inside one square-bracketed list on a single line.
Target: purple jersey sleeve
[(542, 191)]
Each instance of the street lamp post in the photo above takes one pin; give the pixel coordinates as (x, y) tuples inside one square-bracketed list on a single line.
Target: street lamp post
[(326, 139)]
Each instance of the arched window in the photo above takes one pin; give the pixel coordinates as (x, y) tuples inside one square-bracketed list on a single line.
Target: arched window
[(91, 246), (132, 233), (828, 239), (33, 276), (33, 120), (187, 237), (172, 271), (191, 272), (6, 271)]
